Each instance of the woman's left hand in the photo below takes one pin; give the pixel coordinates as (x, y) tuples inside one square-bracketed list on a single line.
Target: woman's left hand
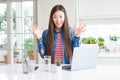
[(79, 29)]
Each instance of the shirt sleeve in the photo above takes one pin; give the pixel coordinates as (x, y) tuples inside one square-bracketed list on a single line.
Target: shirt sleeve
[(75, 40), (41, 44)]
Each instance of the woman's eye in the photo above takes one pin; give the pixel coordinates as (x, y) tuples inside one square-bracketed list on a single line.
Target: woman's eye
[(54, 17), (60, 16)]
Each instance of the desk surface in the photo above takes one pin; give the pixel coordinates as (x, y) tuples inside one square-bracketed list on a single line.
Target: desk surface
[(101, 72)]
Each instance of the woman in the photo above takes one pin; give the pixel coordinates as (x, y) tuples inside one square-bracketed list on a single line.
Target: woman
[(59, 40)]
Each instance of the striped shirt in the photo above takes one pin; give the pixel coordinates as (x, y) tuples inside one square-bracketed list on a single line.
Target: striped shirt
[(58, 55)]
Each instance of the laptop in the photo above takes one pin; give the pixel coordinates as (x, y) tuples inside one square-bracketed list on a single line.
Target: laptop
[(83, 58)]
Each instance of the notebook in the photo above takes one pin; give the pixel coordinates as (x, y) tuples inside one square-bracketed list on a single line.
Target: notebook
[(83, 58)]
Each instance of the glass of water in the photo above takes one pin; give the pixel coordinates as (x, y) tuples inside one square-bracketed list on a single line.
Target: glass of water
[(47, 62)]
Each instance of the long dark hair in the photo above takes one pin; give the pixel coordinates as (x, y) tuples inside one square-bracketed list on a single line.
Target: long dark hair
[(66, 32)]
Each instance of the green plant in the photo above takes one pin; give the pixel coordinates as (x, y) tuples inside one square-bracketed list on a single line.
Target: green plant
[(101, 39), (3, 29), (89, 40), (16, 53), (29, 45), (3, 25), (114, 38), (58, 63), (1, 45), (101, 42)]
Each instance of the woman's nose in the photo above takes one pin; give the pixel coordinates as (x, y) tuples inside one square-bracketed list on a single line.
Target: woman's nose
[(58, 19)]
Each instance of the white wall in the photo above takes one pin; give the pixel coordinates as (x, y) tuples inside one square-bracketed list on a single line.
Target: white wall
[(45, 6), (99, 8), (99, 11), (90, 11)]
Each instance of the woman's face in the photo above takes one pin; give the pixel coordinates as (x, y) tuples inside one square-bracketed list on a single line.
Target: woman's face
[(58, 19)]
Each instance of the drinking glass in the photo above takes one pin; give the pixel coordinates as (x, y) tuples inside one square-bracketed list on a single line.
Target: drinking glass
[(47, 62)]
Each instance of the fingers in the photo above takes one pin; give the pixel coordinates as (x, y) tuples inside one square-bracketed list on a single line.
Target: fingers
[(34, 28), (82, 27), (42, 51), (79, 29)]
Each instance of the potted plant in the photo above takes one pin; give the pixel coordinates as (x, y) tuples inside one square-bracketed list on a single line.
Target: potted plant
[(88, 41), (29, 45), (113, 42), (113, 38), (58, 66), (58, 63), (6, 57), (101, 44), (30, 54), (15, 54)]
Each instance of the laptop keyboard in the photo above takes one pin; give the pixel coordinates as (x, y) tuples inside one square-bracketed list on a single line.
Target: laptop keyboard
[(66, 67)]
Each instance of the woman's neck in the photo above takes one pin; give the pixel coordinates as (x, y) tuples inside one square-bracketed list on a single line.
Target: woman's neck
[(57, 29)]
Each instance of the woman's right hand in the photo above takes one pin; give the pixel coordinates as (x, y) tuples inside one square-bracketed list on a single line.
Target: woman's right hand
[(37, 31)]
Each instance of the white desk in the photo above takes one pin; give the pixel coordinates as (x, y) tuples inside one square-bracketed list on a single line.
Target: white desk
[(101, 72)]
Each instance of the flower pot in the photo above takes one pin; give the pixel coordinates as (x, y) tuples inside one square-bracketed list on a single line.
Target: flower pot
[(15, 59), (59, 69), (31, 56), (56, 69), (6, 57)]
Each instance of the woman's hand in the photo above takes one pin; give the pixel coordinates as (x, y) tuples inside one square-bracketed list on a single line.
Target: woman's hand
[(37, 31), (79, 29)]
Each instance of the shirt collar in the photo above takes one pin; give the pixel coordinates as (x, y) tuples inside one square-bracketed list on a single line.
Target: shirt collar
[(58, 32)]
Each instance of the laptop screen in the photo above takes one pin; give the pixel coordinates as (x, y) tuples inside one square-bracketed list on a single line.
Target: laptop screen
[(84, 57)]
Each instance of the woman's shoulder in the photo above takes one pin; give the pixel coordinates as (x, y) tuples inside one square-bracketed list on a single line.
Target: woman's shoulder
[(45, 31), (71, 29)]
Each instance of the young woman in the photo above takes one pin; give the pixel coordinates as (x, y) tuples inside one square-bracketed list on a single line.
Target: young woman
[(59, 39)]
